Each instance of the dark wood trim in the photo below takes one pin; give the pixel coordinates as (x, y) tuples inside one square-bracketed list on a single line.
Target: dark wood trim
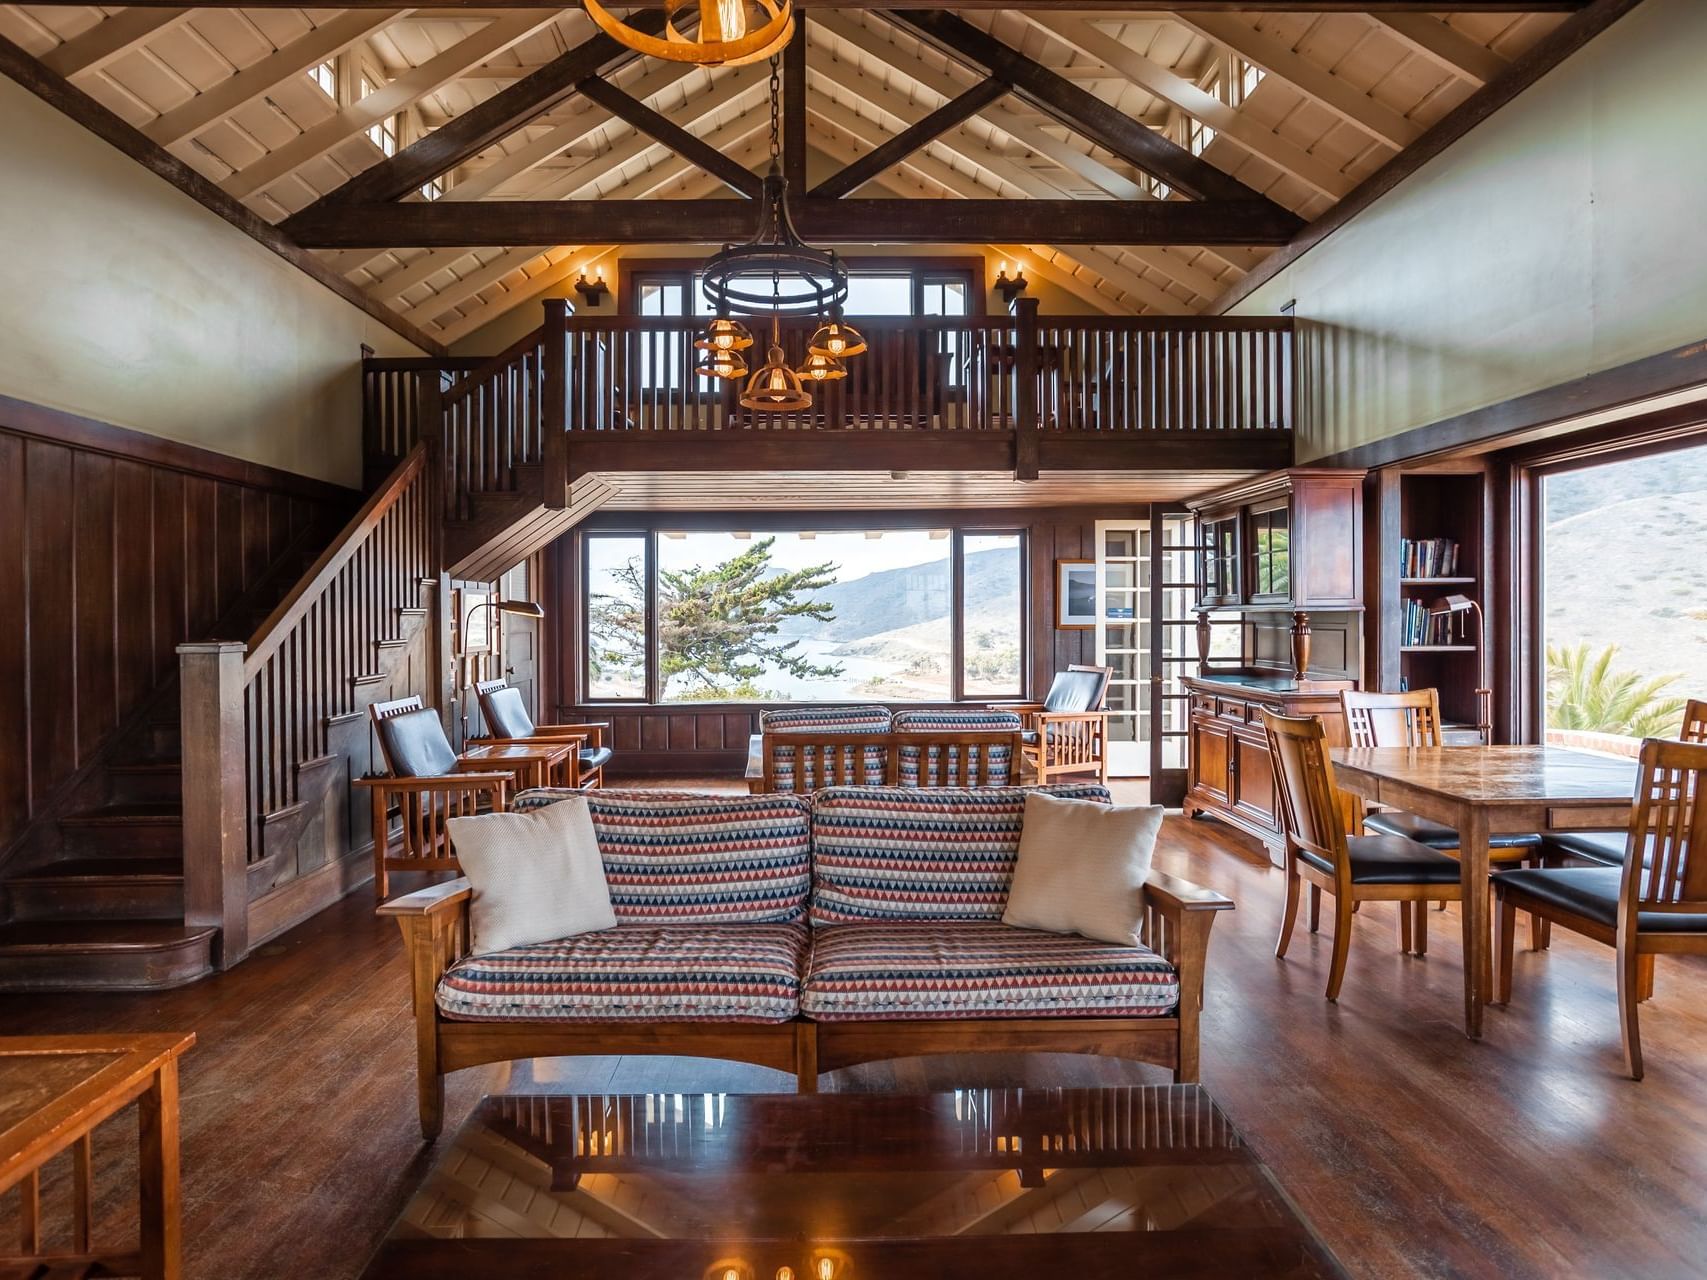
[(71, 101), (736, 176), (794, 110), (968, 519), (1075, 107), (852, 177), (478, 128), (509, 223), (1535, 62), (1537, 415), (22, 418)]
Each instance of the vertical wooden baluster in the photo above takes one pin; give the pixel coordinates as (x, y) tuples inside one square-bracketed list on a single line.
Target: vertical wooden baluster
[(29, 1213), (82, 1194)]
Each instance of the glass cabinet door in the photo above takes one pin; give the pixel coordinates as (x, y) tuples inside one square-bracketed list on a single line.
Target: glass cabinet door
[(1220, 577), (1271, 554)]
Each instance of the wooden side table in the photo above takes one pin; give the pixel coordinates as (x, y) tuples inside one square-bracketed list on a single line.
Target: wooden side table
[(531, 764), (54, 1091)]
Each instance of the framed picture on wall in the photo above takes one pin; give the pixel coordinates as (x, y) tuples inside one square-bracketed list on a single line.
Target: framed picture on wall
[(1075, 594)]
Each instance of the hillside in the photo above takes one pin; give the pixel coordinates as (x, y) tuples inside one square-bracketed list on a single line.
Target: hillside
[(893, 600)]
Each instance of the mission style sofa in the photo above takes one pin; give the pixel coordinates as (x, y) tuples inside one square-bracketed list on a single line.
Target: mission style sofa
[(806, 934)]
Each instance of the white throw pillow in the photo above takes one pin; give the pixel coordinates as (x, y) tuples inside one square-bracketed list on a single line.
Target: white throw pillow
[(1082, 867), (537, 876)]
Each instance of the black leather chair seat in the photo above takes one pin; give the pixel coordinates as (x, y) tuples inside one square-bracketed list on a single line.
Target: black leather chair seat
[(1604, 848), (1391, 822), (1390, 860), (1590, 892), (592, 758)]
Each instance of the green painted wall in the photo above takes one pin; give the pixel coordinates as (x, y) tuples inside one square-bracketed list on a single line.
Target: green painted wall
[(124, 300), (1560, 238)]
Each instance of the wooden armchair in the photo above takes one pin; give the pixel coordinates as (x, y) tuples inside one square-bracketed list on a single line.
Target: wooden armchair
[(1655, 902), (1067, 733), (429, 784), (508, 723)]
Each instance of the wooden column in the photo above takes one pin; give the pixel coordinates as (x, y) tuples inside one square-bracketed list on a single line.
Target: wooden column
[(215, 756), (1025, 389), (555, 403)]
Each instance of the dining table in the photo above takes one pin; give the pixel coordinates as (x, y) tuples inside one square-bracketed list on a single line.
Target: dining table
[(1483, 791)]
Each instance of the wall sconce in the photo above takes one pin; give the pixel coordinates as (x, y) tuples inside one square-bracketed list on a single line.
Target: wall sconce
[(592, 290), (1010, 287)]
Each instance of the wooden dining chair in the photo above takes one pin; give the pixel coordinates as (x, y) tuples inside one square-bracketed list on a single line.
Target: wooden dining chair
[(1606, 848), (1412, 719), (428, 784), (1318, 852), (508, 723), (1655, 903)]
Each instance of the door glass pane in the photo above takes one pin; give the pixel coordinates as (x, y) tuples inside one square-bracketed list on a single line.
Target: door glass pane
[(616, 616), (992, 586)]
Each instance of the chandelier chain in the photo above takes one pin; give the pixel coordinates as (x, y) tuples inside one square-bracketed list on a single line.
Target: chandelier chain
[(776, 106)]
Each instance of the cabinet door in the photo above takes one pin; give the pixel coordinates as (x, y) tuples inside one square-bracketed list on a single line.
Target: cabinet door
[(1253, 779), (1211, 759), (1221, 558), (1268, 573)]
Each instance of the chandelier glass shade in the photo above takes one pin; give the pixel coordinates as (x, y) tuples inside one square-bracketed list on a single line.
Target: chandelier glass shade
[(724, 334), (837, 339), (710, 33), (817, 368), (727, 365), (775, 388)]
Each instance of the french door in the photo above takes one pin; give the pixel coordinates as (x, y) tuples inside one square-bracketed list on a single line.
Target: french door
[(1173, 642), (1123, 639)]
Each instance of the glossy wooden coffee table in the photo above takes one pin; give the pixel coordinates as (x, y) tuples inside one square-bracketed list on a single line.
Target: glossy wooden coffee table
[(1013, 1184)]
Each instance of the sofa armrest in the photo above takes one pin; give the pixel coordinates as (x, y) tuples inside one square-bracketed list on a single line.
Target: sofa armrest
[(1177, 918), (451, 897), (593, 731)]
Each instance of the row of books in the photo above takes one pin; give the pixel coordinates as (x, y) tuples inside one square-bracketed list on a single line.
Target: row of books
[(1417, 627), (1428, 557)]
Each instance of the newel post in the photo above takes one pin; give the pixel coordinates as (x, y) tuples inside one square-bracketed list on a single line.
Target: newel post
[(1025, 389), (215, 765), (554, 403)]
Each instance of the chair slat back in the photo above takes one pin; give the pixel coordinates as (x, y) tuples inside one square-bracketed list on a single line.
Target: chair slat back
[(1409, 719), (1304, 778), (1694, 721), (397, 707), (1668, 823), (954, 758), (811, 759)]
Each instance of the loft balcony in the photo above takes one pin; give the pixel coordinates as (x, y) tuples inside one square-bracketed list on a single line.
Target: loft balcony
[(585, 407)]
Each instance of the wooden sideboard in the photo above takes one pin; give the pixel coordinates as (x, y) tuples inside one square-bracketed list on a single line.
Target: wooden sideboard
[(1231, 771)]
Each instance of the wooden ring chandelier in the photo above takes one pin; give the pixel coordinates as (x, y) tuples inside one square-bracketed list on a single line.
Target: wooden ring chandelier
[(731, 33)]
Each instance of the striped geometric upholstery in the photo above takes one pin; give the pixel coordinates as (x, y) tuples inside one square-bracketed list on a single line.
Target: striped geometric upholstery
[(899, 853), (954, 721), (979, 969), (873, 761), (679, 858), (677, 973)]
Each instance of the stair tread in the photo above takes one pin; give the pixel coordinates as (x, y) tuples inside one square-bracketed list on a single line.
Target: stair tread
[(139, 813), (106, 869), (100, 935)]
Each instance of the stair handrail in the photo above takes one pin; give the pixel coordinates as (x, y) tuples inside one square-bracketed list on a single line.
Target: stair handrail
[(493, 365), (289, 611)]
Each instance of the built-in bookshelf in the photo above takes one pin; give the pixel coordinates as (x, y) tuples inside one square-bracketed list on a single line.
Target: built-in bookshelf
[(1430, 535)]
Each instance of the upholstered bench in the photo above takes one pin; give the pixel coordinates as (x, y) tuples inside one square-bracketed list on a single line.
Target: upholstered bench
[(806, 935)]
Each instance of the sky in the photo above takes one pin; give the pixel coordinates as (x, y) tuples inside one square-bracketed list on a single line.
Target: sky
[(853, 553)]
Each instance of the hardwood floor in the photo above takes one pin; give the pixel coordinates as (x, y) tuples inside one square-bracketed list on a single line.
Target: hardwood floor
[(1413, 1151)]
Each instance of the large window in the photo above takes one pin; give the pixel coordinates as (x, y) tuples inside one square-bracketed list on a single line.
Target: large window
[(1624, 597), (803, 615), (920, 291)]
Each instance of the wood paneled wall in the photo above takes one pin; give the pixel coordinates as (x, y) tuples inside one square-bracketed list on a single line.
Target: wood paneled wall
[(114, 548), (711, 739)]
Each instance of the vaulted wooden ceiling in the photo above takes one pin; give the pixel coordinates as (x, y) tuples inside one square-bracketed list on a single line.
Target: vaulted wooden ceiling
[(1236, 126)]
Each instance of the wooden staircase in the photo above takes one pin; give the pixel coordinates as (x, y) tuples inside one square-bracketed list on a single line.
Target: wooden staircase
[(100, 903)]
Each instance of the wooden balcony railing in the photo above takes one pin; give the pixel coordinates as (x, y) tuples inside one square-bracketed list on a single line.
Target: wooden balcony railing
[(1027, 375), (274, 726)]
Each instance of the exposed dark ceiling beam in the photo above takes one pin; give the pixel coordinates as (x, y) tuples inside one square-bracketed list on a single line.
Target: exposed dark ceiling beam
[(624, 107), (1078, 109), (1528, 67), (1123, 6), (504, 223), (952, 113), (794, 110), (71, 101), (478, 128)]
